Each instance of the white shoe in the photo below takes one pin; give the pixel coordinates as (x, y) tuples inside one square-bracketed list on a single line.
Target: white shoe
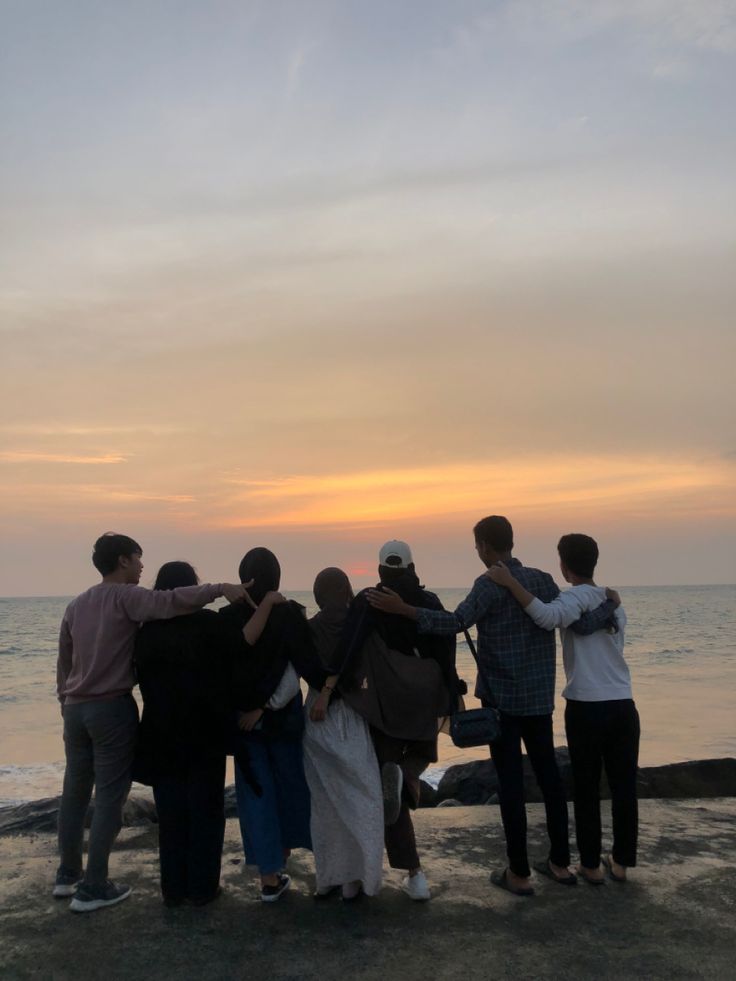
[(417, 887), (352, 890), (66, 884), (271, 894), (88, 898)]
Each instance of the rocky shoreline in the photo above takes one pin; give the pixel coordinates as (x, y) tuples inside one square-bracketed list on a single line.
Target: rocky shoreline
[(477, 783), (472, 783)]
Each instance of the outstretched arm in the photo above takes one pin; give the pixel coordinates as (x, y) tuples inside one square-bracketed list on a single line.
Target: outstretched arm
[(501, 575), (257, 623), (478, 603), (142, 604), (603, 617), (559, 612), (567, 609)]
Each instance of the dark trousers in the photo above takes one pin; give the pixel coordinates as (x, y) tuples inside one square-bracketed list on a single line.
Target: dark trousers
[(99, 742), (536, 732), (413, 758), (191, 828), (604, 734)]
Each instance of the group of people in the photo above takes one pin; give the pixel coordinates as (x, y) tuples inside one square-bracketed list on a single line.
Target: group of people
[(337, 773)]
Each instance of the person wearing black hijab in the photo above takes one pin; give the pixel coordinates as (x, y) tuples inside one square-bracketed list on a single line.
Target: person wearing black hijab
[(340, 764), (183, 666), (273, 807)]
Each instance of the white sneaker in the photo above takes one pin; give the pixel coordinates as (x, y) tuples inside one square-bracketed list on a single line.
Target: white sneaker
[(271, 894), (66, 884), (88, 898), (417, 887), (352, 891)]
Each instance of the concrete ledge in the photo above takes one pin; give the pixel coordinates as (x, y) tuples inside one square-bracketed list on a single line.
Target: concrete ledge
[(674, 919)]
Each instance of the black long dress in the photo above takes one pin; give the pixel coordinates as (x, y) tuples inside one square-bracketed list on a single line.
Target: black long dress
[(185, 667)]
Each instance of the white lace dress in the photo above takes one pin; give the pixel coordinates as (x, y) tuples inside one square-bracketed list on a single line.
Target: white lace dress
[(347, 804)]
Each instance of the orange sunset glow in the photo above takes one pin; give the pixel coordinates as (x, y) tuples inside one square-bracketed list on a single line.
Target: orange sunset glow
[(310, 282)]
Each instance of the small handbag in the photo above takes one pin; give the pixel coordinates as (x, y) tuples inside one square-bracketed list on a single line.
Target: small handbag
[(475, 727)]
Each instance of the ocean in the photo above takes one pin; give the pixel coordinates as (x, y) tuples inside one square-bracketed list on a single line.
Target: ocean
[(680, 645)]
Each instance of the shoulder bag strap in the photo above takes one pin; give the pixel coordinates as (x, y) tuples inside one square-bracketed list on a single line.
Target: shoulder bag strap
[(471, 648)]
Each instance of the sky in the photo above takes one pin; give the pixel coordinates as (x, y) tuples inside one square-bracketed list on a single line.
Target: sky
[(314, 275)]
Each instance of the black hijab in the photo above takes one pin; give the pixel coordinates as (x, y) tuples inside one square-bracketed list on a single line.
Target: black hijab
[(333, 594)]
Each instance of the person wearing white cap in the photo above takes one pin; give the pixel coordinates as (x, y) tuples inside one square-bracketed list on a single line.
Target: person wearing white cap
[(402, 760)]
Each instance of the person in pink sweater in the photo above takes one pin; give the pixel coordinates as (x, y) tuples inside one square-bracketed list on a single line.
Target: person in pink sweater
[(95, 678)]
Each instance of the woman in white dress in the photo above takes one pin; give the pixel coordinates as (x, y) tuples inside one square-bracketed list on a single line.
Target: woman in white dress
[(340, 764)]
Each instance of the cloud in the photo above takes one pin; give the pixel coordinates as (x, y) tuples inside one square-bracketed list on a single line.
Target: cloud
[(29, 456), (60, 429), (579, 485), (699, 24), (295, 65)]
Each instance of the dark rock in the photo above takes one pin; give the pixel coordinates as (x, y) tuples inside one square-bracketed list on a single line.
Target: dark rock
[(231, 807), (137, 810), (466, 783), (43, 815), (696, 778), (427, 794), (476, 782), (35, 815)]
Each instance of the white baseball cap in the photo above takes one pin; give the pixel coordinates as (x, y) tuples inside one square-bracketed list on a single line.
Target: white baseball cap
[(395, 555)]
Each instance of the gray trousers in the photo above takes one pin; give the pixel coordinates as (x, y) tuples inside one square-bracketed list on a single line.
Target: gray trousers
[(99, 741)]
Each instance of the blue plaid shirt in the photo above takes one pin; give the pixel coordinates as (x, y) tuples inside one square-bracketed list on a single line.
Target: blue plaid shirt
[(516, 658)]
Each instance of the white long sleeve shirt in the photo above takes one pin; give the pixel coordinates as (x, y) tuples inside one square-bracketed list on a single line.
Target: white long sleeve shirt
[(595, 668)]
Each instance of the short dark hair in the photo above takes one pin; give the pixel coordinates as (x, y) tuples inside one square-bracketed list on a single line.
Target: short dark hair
[(108, 549), (495, 531), (579, 553), (173, 574)]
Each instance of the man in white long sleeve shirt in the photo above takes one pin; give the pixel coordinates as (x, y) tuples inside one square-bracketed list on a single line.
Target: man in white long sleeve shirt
[(601, 719)]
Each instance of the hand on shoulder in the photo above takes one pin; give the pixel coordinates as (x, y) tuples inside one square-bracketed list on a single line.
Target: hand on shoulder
[(500, 574)]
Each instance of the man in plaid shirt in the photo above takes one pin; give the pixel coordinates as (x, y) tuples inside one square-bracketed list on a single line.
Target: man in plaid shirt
[(516, 673)]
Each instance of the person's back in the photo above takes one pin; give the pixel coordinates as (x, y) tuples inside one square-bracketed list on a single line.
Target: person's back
[(99, 628), (94, 675), (516, 658), (516, 675), (601, 720), (595, 666), (184, 669)]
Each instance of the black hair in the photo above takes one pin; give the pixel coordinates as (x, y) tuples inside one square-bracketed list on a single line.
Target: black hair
[(173, 574), (495, 531), (261, 565), (389, 574), (579, 553), (108, 549)]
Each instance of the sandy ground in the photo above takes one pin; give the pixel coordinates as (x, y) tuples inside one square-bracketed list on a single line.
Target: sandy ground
[(674, 919)]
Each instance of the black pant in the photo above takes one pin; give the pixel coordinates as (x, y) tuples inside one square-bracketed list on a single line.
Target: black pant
[(191, 828), (536, 731), (604, 734), (413, 758)]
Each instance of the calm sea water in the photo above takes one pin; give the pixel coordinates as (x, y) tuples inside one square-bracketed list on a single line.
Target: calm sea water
[(681, 646)]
